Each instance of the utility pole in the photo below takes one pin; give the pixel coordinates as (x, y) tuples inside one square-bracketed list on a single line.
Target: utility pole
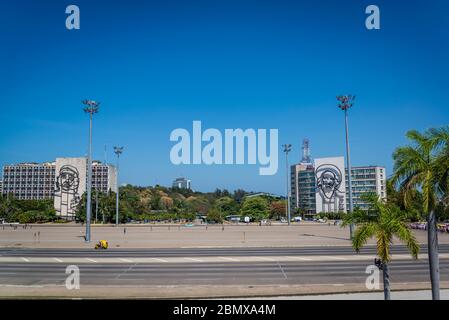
[(91, 108), (346, 102), (96, 205), (287, 149), (118, 151)]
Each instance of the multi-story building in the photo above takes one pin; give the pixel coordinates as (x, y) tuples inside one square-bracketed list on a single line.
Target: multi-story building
[(302, 183), (322, 186), (303, 188), (29, 181), (369, 179), (181, 183), (63, 180)]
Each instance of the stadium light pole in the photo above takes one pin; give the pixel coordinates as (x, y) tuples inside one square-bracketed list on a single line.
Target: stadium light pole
[(287, 149), (346, 102), (91, 107), (118, 151)]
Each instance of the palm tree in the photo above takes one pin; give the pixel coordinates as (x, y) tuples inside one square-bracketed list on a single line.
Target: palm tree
[(422, 166), (440, 137), (383, 222)]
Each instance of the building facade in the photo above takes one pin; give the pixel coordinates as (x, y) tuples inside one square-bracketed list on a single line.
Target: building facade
[(330, 185), (303, 188), (323, 186), (63, 180), (182, 183), (369, 179)]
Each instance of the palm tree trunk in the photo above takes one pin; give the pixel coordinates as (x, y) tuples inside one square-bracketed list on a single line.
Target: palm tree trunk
[(386, 276), (434, 264)]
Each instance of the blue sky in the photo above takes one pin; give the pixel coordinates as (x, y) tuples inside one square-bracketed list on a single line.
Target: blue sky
[(157, 66)]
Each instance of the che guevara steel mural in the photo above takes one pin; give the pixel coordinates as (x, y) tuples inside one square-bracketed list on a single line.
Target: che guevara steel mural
[(67, 185)]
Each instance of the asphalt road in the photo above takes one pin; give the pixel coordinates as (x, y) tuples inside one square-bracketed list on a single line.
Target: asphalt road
[(333, 273), (332, 270), (202, 252)]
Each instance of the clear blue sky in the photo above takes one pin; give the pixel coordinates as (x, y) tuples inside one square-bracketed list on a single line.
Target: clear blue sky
[(157, 66)]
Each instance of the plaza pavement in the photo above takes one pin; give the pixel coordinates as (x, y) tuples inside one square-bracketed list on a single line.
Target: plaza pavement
[(181, 236)]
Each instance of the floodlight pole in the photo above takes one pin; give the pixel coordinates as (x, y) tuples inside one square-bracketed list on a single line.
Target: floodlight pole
[(118, 151), (91, 108), (287, 149), (346, 102)]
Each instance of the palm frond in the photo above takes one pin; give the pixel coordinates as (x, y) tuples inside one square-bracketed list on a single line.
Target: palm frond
[(362, 234)]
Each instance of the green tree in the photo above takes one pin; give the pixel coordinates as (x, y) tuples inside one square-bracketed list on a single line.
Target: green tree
[(256, 208), (226, 206), (420, 166), (278, 209), (214, 215), (383, 222)]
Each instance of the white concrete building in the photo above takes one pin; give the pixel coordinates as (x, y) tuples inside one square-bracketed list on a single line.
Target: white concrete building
[(63, 180)]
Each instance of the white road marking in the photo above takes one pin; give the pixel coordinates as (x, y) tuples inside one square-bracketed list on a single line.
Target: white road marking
[(264, 258), (160, 260), (192, 259), (125, 260), (333, 258), (91, 260), (59, 260), (282, 269), (229, 259), (25, 259), (300, 258)]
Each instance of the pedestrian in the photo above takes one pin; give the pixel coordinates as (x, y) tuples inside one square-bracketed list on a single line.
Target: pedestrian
[(124, 230)]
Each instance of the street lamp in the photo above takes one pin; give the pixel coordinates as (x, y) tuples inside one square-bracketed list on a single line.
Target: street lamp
[(346, 102), (287, 149), (91, 108), (118, 151)]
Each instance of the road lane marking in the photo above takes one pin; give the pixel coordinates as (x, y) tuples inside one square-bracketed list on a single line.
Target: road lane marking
[(282, 269), (160, 260), (333, 258), (91, 260), (192, 259), (125, 260), (264, 258), (229, 259), (59, 260), (300, 258), (25, 259)]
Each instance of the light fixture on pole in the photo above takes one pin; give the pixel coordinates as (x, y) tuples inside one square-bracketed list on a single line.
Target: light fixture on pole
[(118, 151), (287, 149), (346, 102), (91, 108)]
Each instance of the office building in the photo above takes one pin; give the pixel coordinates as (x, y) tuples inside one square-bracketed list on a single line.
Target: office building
[(63, 180), (182, 183), (321, 185), (369, 179)]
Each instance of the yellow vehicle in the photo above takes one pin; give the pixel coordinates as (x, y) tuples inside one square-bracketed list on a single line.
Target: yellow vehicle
[(102, 244)]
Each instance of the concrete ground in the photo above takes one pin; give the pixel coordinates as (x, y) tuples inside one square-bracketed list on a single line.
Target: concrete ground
[(178, 236), (378, 295), (176, 261)]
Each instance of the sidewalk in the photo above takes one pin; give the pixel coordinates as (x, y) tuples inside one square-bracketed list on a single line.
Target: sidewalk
[(395, 295)]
